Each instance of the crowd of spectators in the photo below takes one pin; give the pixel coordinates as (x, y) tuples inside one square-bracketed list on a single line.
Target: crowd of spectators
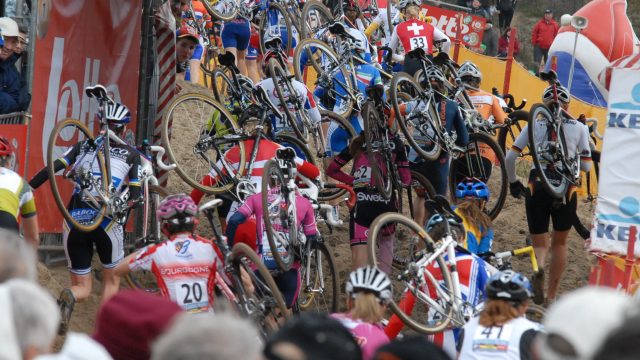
[(14, 90)]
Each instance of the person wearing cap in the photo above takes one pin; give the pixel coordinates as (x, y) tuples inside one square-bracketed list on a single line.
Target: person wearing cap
[(14, 95), (199, 19), (501, 331), (186, 42), (542, 35)]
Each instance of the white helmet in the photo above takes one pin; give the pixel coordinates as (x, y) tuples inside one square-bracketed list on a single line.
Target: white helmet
[(370, 279), (563, 94), (117, 114), (470, 69), (357, 41), (404, 3)]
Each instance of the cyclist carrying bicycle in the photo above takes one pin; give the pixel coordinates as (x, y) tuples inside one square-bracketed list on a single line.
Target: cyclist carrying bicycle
[(185, 265), (472, 194), (473, 274), (368, 293), (16, 198), (540, 204), (501, 331), (108, 238)]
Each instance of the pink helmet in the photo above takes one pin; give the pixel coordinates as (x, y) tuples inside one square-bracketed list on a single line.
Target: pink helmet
[(179, 205)]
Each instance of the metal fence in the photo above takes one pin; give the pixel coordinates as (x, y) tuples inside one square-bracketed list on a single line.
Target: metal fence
[(16, 118)]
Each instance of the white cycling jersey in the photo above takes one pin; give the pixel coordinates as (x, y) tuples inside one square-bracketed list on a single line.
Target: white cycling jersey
[(381, 20), (302, 93), (185, 270), (510, 341)]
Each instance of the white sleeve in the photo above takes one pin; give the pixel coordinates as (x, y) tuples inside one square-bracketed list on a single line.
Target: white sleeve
[(584, 148), (393, 43), (439, 35), (514, 152)]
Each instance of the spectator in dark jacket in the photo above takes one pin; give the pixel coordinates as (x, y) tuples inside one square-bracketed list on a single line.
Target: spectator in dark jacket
[(490, 39), (503, 43), (542, 37), (478, 10), (506, 9), (14, 95)]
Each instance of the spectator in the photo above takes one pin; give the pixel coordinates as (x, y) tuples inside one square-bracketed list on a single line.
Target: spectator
[(314, 337), (411, 348), (131, 321), (186, 42), (208, 336), (506, 9), (29, 320), (17, 258), (478, 10), (21, 49), (14, 96), (503, 43), (490, 39), (577, 325), (542, 37)]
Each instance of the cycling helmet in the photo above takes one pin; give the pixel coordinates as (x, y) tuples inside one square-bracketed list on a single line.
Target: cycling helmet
[(370, 279), (509, 285), (435, 72), (117, 114), (563, 94), (5, 147), (177, 209), (471, 70), (474, 188), (404, 3), (437, 219), (357, 41), (349, 4)]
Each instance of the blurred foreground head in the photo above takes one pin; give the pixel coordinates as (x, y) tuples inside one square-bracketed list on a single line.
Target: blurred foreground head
[(17, 257)]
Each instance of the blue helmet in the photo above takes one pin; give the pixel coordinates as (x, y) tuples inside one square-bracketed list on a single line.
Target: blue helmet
[(510, 286), (472, 188)]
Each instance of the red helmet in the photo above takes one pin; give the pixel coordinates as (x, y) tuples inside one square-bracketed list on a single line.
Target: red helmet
[(5, 147)]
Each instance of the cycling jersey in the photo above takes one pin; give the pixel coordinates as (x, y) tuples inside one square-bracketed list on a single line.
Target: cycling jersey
[(510, 341), (487, 105), (16, 198), (381, 20), (185, 269), (369, 336), (417, 34), (475, 242), (302, 93), (473, 274)]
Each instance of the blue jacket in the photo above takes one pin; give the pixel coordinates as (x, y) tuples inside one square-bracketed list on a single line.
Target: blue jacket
[(14, 95)]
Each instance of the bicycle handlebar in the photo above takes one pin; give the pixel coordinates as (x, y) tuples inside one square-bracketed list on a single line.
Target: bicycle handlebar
[(351, 200), (592, 123), (159, 150), (527, 250)]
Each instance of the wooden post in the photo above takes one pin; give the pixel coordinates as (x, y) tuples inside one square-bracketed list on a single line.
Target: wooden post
[(458, 41), (507, 71), (630, 260)]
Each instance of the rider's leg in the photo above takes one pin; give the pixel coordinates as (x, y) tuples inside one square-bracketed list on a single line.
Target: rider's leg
[(385, 252), (110, 284), (79, 251), (561, 215), (110, 247), (358, 256), (252, 64), (240, 61)]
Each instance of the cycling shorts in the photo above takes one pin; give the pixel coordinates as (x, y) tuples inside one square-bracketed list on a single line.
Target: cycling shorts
[(198, 52), (288, 283), (542, 207), (252, 53), (8, 221), (78, 245), (339, 137), (235, 34)]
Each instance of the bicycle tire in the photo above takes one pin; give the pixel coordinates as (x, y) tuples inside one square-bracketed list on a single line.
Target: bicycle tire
[(457, 172), (508, 134), (284, 15), (281, 80), (220, 83), (208, 65), (399, 82), (151, 227), (535, 313), (55, 189), (310, 7), (542, 110), (210, 5), (375, 230), (308, 297), (187, 160), (308, 49), (270, 296), (419, 188), (377, 157), (330, 122), (270, 193)]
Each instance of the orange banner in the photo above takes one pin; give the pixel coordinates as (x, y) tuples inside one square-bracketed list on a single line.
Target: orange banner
[(80, 43), (17, 136)]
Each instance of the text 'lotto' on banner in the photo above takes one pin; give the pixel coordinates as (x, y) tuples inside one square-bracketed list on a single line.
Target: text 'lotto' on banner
[(619, 186), (445, 20), (80, 43)]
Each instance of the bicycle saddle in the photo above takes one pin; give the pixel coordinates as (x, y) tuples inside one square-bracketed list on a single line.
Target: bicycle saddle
[(416, 53), (98, 91), (286, 154), (211, 204), (549, 75), (227, 59), (441, 59)]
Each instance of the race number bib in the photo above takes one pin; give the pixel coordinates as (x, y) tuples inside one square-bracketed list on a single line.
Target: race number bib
[(267, 254), (418, 42), (192, 295), (492, 339)]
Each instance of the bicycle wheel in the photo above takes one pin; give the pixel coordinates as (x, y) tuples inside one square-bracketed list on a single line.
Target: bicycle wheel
[(508, 135), (66, 134), (274, 22), (204, 132), (484, 160), (316, 63), (549, 151), (535, 313), (222, 9), (395, 243), (209, 64), (261, 300), (290, 100), (319, 290), (280, 225), (315, 17), (414, 196), (420, 124), (337, 133), (375, 138)]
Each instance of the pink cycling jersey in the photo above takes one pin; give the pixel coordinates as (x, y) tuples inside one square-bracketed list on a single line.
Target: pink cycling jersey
[(369, 336), (185, 269)]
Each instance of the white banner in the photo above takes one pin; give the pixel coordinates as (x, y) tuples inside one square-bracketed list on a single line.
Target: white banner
[(619, 185)]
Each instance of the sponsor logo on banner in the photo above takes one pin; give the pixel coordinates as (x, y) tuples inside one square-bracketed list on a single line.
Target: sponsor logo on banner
[(445, 20), (626, 114)]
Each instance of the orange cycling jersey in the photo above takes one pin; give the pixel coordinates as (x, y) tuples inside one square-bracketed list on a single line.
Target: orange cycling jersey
[(487, 104)]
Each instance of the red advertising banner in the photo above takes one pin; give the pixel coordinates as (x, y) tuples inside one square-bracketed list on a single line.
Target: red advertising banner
[(80, 43), (445, 20), (17, 136)]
